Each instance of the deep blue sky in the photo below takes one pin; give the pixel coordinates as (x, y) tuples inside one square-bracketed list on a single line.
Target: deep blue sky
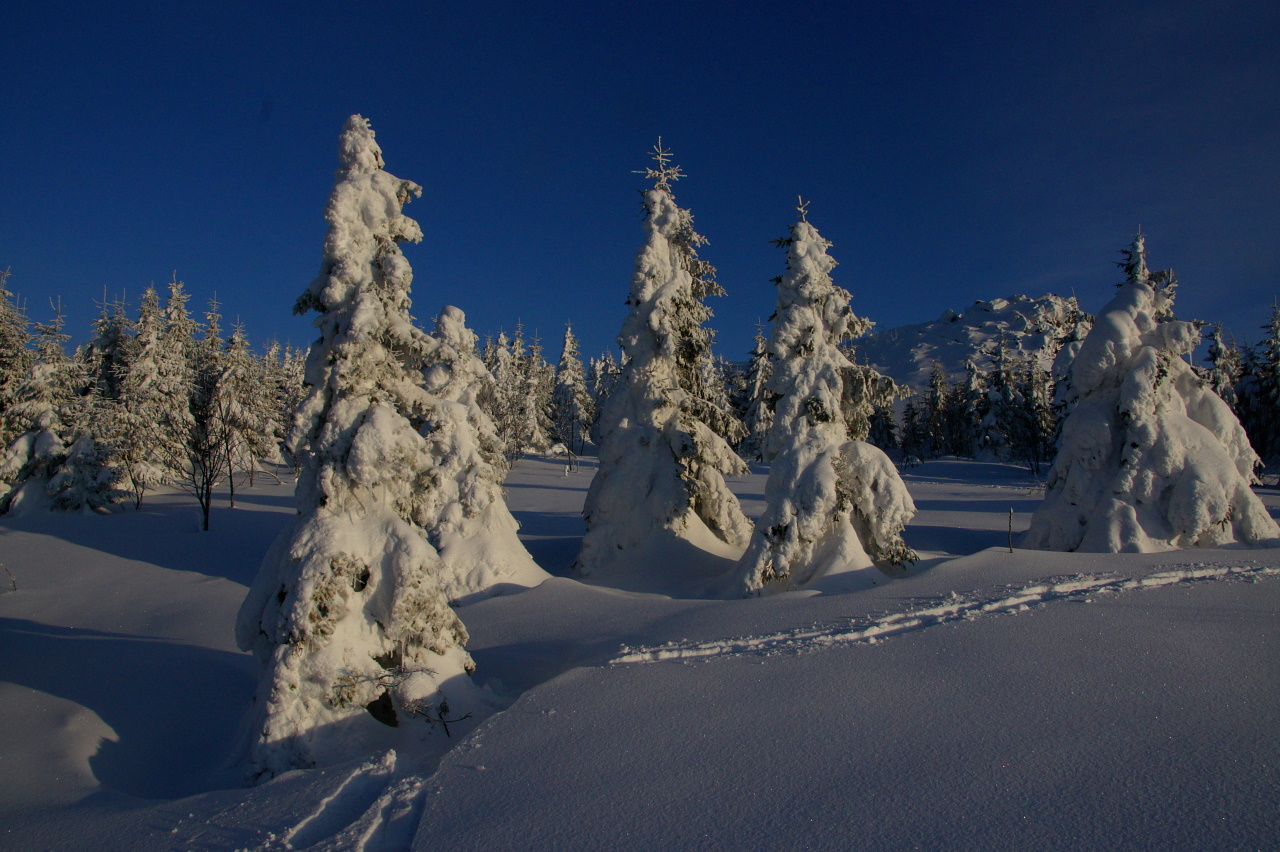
[(951, 152)]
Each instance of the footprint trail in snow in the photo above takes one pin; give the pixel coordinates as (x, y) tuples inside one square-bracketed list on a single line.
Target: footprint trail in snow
[(374, 809), (955, 607)]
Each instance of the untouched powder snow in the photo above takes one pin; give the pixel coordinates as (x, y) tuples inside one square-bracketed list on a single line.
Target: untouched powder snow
[(984, 700)]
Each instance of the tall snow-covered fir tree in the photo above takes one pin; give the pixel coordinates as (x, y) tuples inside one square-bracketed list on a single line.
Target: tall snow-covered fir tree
[(571, 401), (662, 461), (832, 506), (758, 416), (55, 462), (1258, 391), (15, 356), (1151, 458), (1225, 367), (535, 399), (467, 520), (138, 425), (348, 615), (602, 378)]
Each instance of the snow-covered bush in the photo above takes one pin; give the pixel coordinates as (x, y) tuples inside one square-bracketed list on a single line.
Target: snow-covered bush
[(348, 614), (1150, 458), (662, 465), (831, 505)]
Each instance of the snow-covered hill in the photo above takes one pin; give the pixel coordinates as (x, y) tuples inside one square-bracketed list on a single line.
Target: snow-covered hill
[(907, 354), (985, 699)]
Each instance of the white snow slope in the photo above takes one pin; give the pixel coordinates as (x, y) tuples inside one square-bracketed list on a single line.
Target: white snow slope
[(907, 353), (983, 700)]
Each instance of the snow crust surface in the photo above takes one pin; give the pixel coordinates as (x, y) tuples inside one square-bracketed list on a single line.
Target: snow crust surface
[(984, 700)]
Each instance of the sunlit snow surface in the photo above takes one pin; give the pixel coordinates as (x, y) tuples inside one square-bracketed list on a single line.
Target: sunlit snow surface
[(985, 699)]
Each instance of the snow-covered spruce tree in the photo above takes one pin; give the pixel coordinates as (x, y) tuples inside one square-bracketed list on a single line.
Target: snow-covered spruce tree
[(503, 401), (571, 401), (248, 405), (466, 517), (360, 649), (1258, 395), (915, 437), (105, 356), (831, 505), (758, 416), (602, 378), (1224, 368), (137, 426), (15, 358), (535, 399), (662, 466), (1150, 458), (42, 416)]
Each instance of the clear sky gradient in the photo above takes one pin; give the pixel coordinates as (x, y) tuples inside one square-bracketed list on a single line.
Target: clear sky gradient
[(951, 151)]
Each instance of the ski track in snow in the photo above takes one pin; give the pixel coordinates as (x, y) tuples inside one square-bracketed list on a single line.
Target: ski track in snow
[(938, 611), (374, 809)]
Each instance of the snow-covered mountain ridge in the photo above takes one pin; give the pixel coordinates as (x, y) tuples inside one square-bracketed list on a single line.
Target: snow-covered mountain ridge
[(907, 353)]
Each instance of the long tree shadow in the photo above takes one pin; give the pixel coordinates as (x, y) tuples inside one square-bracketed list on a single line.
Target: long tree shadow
[(176, 709), (953, 540), (552, 538)]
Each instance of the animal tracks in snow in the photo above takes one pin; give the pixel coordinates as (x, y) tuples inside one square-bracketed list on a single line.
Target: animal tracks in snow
[(969, 606)]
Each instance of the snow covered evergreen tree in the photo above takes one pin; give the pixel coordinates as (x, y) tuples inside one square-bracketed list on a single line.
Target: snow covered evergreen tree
[(758, 417), (360, 649), (571, 401), (602, 378), (537, 386), (15, 358), (466, 519), (105, 356), (505, 406), (1225, 368), (137, 428), (249, 405), (832, 506), (42, 416), (1150, 458), (662, 465), (1258, 392)]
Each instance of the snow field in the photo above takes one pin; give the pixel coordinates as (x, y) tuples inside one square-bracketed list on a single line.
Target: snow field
[(1145, 718)]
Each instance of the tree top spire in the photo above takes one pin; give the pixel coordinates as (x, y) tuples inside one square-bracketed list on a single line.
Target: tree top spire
[(802, 207), (665, 173)]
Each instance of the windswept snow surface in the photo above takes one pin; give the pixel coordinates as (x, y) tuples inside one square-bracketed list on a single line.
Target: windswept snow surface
[(982, 700)]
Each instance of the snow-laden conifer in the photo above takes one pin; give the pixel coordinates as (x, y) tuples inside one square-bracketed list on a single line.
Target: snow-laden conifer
[(1224, 368), (758, 417), (15, 357), (503, 401), (662, 466), (42, 417), (137, 427), (466, 517), (105, 356), (571, 401), (359, 646), (251, 386), (535, 399), (832, 505), (602, 378), (1150, 458)]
